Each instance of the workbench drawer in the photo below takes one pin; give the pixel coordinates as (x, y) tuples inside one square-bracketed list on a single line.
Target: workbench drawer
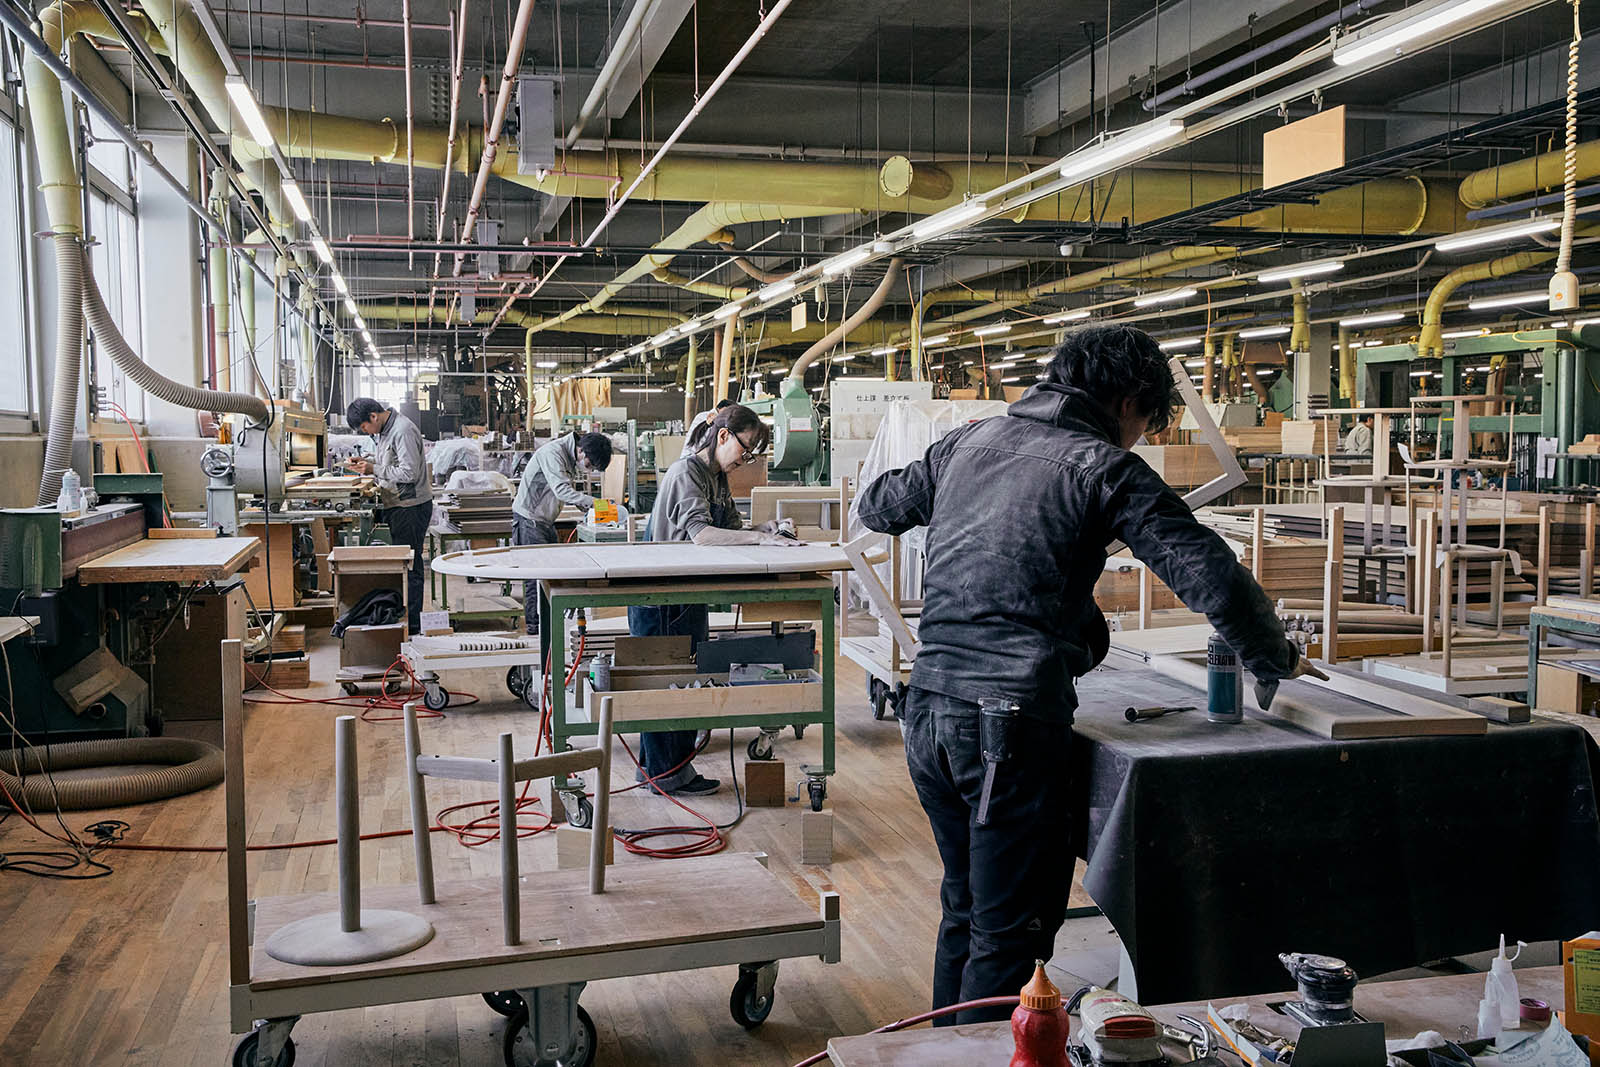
[(651, 698)]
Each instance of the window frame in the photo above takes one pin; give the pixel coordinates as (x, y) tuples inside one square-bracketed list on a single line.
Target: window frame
[(12, 113), (102, 185)]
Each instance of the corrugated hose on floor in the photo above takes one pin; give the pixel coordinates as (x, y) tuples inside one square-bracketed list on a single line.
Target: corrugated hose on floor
[(191, 766)]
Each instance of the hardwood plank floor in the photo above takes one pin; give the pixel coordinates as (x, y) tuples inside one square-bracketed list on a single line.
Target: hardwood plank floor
[(132, 968)]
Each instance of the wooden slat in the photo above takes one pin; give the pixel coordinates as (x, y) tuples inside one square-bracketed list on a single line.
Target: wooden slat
[(473, 769)]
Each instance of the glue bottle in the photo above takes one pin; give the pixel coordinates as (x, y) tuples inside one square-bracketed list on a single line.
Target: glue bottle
[(1500, 1008), (1039, 1026)]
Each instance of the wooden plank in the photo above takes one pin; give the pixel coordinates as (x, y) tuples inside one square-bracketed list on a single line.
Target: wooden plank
[(643, 651), (471, 769), (232, 656), (645, 905), (760, 611), (1333, 585), (181, 533), (777, 698), (171, 561)]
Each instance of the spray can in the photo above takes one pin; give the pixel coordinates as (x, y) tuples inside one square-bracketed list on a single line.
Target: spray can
[(600, 673), (1224, 683)]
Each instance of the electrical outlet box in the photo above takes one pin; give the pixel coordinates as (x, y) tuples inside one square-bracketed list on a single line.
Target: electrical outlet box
[(1564, 291)]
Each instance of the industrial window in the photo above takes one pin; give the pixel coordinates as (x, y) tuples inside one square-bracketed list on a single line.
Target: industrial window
[(114, 256), (15, 389)]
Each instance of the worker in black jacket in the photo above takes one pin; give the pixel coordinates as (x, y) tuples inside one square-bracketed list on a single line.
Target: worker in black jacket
[(1020, 509)]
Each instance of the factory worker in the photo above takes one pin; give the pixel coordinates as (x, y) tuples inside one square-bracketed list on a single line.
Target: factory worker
[(1359, 439), (400, 465), (546, 485), (1019, 510), (693, 503)]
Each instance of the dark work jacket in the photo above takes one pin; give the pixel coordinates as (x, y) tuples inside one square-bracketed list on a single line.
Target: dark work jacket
[(1019, 510)]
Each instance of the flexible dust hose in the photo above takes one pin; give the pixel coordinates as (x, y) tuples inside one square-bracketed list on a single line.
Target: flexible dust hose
[(69, 362), (190, 766), (148, 378), (879, 296)]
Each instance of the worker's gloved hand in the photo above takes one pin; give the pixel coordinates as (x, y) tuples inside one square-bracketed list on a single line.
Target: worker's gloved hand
[(768, 527), (1305, 667), (779, 539)]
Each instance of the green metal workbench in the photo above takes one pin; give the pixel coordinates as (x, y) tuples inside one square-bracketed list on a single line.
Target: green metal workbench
[(1561, 619)]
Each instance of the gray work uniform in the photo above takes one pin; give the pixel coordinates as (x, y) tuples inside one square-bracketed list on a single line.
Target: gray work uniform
[(546, 485), (401, 467), (689, 498), (1359, 440)]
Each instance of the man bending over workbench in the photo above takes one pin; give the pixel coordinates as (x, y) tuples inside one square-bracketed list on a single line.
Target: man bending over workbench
[(1020, 509)]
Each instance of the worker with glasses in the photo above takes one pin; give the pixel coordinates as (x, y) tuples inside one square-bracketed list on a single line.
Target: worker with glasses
[(1019, 510), (693, 503)]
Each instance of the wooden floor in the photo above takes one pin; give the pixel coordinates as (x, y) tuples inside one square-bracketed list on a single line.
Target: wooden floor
[(132, 968)]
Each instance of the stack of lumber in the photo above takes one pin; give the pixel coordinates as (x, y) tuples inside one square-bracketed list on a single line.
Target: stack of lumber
[(488, 512), (1180, 466), (1307, 437), (1258, 439), (276, 656), (1589, 446)]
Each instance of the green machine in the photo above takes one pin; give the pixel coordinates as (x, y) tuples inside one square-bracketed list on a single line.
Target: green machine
[(72, 673), (1563, 403), (797, 452)]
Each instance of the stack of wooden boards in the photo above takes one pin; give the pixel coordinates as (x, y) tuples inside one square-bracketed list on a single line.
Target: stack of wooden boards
[(276, 656), (1589, 446), (1307, 437), (1264, 440), (480, 513)]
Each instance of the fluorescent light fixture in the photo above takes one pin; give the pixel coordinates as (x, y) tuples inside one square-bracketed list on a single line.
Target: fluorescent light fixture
[(244, 102), (1171, 296), (1257, 332), (775, 290), (777, 372), (845, 357), (1269, 370), (643, 389), (1300, 270), (1373, 344), (1483, 303), (1584, 322), (1044, 359), (939, 340), (1092, 160), (1013, 378), (1419, 374), (1496, 234), (1068, 316), (361, 324), (1391, 35), (661, 338), (692, 325), (949, 219), (886, 350), (968, 362), (990, 331), (1451, 335), (340, 284), (1179, 342), (324, 253), (848, 260), (367, 337), (726, 311), (548, 364), (1377, 318), (297, 200), (351, 309), (1559, 324), (1005, 364)]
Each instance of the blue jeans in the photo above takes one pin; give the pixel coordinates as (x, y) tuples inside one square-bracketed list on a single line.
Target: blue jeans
[(409, 526), (1006, 881), (660, 751), (528, 532)]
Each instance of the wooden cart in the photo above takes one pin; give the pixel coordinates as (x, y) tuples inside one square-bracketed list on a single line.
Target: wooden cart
[(367, 652)]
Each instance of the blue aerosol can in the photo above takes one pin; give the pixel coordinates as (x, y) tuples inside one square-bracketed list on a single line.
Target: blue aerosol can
[(1224, 683)]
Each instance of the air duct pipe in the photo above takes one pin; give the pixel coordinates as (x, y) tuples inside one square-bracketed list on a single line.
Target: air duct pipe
[(751, 270), (1530, 175), (1431, 344), (1300, 327), (840, 332), (1208, 381), (1347, 366)]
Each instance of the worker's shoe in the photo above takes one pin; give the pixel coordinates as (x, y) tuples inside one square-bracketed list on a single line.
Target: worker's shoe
[(698, 786)]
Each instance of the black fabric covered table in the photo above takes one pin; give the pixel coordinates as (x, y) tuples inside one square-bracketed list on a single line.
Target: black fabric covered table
[(1213, 848)]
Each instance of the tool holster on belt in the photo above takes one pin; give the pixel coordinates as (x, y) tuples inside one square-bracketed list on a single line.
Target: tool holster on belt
[(997, 722)]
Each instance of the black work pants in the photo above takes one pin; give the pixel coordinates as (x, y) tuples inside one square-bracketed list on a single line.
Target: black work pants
[(665, 754), (525, 531), (1005, 886), (408, 525)]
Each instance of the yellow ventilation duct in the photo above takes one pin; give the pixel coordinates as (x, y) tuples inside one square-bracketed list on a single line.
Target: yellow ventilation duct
[(1431, 343)]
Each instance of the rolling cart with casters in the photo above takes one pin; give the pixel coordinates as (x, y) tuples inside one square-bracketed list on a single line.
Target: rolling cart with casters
[(581, 925), (517, 652)]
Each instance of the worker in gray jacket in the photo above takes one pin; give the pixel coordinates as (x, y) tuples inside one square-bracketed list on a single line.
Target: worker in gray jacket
[(546, 485), (401, 467), (1019, 510)]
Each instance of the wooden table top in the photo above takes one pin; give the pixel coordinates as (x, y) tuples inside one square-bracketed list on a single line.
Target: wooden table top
[(179, 560), (590, 562), (1405, 1008)]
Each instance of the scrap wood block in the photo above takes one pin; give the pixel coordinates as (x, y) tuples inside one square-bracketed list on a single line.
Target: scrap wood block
[(764, 783), (278, 673), (572, 846), (816, 837)]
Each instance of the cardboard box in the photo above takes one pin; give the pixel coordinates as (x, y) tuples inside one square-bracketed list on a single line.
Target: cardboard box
[(1564, 690)]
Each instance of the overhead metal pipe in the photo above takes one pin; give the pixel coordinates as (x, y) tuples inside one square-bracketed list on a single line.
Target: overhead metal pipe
[(623, 47), (335, 20)]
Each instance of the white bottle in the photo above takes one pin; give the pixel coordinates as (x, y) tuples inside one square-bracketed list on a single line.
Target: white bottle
[(1500, 986), (70, 502)]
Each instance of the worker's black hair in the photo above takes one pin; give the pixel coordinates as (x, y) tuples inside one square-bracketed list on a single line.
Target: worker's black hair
[(739, 421), (724, 402), (596, 448), (360, 410), (1368, 417), (1110, 363)]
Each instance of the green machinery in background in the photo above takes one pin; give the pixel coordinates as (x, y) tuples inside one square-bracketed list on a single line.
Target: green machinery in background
[(797, 438), (72, 676), (1563, 404)]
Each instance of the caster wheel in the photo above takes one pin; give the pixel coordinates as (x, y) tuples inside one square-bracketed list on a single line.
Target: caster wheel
[(580, 813), (394, 687), (879, 694), (748, 1008), (818, 789), (520, 1051), (759, 748), (350, 688), (506, 1002), (515, 681), (436, 697), (244, 1053)]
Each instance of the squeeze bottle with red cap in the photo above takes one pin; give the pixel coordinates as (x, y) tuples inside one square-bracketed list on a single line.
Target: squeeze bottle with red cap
[(1039, 1026)]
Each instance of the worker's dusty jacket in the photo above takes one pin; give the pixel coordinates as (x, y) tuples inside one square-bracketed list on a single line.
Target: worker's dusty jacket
[(1020, 509), (547, 482), (400, 464)]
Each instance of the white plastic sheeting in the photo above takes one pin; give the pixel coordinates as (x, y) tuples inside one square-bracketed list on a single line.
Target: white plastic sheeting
[(455, 454), (909, 427)]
